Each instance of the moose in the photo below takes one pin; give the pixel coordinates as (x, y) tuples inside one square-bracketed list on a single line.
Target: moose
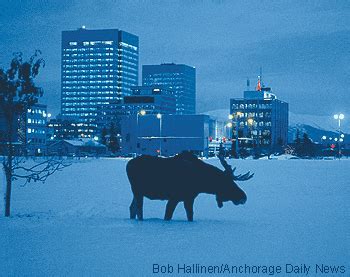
[(181, 179)]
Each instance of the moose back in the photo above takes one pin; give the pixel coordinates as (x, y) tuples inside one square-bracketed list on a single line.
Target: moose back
[(181, 179)]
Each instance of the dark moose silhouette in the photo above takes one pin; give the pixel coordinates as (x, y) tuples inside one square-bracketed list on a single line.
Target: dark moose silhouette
[(181, 179)]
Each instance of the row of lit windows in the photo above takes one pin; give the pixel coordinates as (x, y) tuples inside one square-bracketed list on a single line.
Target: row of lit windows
[(89, 60), (84, 99), (96, 42), (165, 74), (90, 109), (255, 124), (86, 82), (125, 62), (251, 106), (125, 57), (78, 112), (79, 104), (96, 49), (87, 65), (126, 45), (128, 52), (84, 55), (36, 121), (90, 71), (89, 55), (89, 87), (88, 92), (37, 111), (35, 131), (258, 115), (121, 52), (104, 76)]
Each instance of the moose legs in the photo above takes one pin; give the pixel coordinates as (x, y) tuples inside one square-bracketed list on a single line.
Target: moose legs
[(170, 207), (136, 208), (189, 208)]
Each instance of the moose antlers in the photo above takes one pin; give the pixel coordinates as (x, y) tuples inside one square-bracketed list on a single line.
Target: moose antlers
[(228, 168)]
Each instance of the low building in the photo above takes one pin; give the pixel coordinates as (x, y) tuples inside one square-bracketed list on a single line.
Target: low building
[(80, 147), (165, 135), (65, 127)]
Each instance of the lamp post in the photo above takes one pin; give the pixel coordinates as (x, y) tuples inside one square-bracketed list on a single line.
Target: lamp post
[(339, 117), (159, 116), (142, 113)]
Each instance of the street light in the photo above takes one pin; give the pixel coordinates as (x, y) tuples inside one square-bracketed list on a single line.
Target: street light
[(339, 117), (142, 113), (159, 116)]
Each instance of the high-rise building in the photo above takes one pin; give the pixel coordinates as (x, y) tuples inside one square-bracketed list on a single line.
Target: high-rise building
[(99, 67), (180, 78)]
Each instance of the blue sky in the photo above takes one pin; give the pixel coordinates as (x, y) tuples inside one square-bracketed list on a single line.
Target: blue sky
[(303, 46)]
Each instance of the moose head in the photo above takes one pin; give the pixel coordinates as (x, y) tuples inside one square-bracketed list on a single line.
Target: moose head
[(230, 191)]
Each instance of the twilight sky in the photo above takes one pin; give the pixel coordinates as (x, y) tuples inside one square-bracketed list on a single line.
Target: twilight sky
[(303, 46)]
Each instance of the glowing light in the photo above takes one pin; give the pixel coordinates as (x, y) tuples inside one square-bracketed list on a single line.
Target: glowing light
[(335, 139), (341, 140), (339, 116), (258, 86), (95, 138), (230, 116), (324, 137), (142, 112), (159, 116), (229, 125), (342, 135), (250, 121)]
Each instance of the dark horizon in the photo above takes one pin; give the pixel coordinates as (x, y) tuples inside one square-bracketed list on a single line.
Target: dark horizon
[(303, 48)]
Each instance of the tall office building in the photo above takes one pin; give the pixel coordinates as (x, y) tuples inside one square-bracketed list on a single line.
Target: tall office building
[(180, 78), (259, 118), (99, 67)]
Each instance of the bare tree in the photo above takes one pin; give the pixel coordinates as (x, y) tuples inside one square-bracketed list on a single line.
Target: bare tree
[(18, 93)]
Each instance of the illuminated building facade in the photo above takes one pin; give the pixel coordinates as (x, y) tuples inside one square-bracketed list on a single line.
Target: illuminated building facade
[(259, 118), (99, 67)]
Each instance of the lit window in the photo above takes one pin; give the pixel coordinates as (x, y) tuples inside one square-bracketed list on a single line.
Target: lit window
[(73, 43)]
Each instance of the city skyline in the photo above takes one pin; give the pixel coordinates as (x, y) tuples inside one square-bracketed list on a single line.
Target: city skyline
[(304, 57)]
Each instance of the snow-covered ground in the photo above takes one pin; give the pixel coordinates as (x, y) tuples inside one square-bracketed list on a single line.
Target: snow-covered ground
[(298, 212)]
